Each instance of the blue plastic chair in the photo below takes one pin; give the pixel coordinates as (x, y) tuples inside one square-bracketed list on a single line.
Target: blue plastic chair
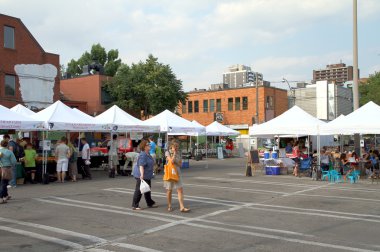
[(353, 176), (335, 177), (326, 174)]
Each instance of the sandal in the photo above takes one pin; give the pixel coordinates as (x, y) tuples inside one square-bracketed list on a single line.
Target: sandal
[(185, 210), (170, 209)]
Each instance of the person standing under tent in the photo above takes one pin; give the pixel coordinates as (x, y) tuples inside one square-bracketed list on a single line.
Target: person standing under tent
[(62, 154), (296, 155), (30, 162), (73, 167), (152, 153), (113, 158), (86, 159), (8, 160)]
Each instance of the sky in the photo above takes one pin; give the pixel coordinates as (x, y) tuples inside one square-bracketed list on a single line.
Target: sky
[(200, 39)]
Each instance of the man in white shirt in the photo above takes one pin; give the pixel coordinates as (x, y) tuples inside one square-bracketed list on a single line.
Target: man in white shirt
[(86, 158), (113, 158)]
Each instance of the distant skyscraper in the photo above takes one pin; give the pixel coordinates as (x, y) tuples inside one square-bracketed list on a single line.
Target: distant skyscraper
[(240, 75), (339, 73)]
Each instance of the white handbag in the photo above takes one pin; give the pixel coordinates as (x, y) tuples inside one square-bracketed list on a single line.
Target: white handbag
[(144, 187)]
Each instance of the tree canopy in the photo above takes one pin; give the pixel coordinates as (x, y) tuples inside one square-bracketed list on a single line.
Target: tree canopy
[(371, 90), (110, 60), (147, 86)]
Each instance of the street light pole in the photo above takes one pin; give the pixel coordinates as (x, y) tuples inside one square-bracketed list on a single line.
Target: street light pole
[(257, 101), (292, 92), (355, 87)]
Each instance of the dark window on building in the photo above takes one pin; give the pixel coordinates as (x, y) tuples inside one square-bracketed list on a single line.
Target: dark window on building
[(230, 104), (190, 106), (105, 97), (212, 105), (218, 105), (245, 103), (237, 103), (205, 105), (184, 110), (10, 85), (269, 102), (196, 106), (9, 37)]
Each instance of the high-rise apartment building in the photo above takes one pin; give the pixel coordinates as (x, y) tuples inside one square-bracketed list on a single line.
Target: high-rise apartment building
[(239, 76), (339, 73)]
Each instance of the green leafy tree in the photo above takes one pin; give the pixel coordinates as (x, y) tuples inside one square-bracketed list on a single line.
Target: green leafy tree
[(97, 54), (147, 86), (371, 90)]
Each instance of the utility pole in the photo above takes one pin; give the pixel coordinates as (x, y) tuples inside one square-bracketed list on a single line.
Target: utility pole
[(355, 86), (257, 100)]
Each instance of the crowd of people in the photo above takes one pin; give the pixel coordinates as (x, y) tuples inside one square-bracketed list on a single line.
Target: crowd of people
[(68, 158), (331, 158)]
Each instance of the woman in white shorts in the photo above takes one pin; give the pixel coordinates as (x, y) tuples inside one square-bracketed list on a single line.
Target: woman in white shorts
[(174, 156), (62, 154)]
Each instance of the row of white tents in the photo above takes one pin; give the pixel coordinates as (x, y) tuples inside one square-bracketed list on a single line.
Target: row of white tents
[(60, 117), (295, 121)]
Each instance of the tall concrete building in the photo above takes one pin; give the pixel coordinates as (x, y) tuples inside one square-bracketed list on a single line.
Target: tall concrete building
[(339, 73), (240, 76), (323, 100)]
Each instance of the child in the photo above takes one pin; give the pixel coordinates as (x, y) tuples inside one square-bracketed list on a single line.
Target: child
[(30, 162)]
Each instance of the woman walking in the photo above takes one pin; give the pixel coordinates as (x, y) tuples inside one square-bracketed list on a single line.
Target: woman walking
[(73, 168), (173, 155), (144, 171), (8, 160)]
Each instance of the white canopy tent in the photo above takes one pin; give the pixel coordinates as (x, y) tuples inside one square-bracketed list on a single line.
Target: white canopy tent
[(16, 121), (173, 124), (295, 121), (364, 120), (217, 129), (59, 116), (118, 120), (22, 110)]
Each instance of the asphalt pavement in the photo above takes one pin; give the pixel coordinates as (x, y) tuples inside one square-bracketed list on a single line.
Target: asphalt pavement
[(229, 212)]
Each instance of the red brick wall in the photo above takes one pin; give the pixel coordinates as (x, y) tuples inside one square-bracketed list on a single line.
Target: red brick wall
[(85, 88), (27, 51), (240, 116)]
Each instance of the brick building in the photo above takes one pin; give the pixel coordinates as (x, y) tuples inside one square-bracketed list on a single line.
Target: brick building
[(236, 107), (28, 74), (86, 88)]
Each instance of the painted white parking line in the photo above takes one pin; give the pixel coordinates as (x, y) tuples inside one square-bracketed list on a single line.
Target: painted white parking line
[(188, 198), (134, 247), (235, 229), (105, 210), (110, 206), (268, 207), (255, 182), (275, 237), (339, 197), (61, 242), (255, 191), (97, 250), (55, 230)]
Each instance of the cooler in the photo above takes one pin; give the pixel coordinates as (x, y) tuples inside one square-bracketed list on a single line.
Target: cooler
[(185, 163), (272, 170)]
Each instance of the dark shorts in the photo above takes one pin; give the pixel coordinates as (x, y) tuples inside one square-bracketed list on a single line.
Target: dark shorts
[(30, 169), (297, 160)]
